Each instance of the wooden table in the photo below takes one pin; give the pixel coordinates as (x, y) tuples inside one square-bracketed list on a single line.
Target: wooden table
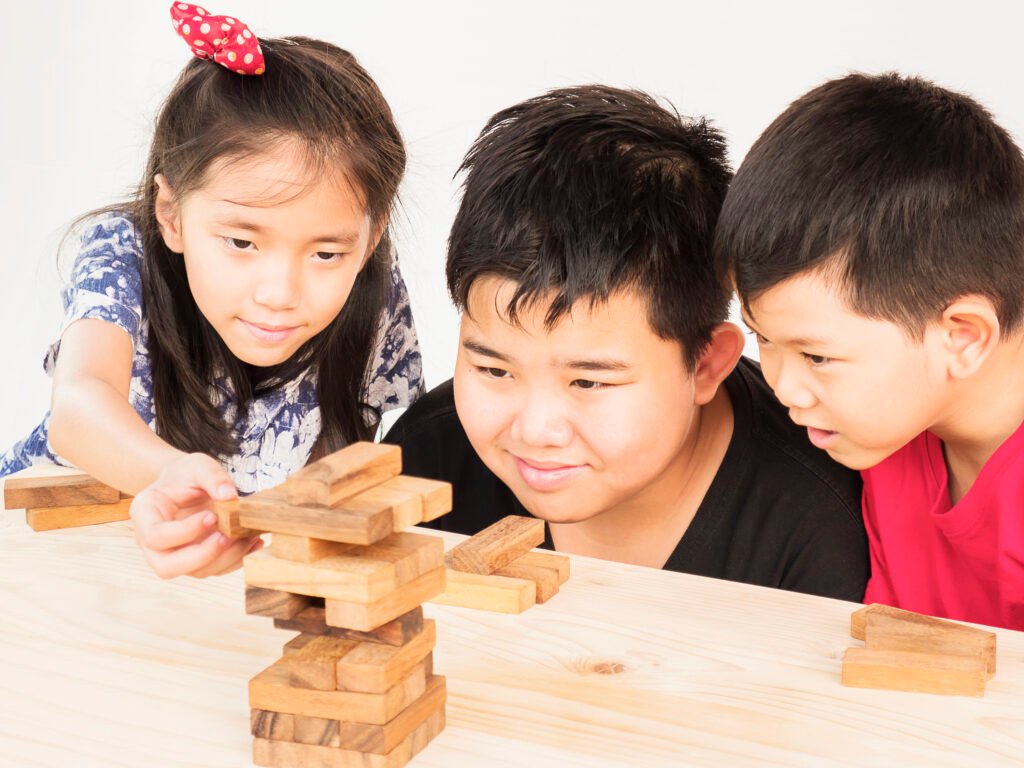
[(103, 664)]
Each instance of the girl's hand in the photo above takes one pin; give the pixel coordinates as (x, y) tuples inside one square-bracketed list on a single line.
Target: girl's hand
[(175, 526)]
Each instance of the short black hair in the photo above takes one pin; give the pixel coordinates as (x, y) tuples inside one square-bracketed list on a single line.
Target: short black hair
[(589, 190), (905, 194)]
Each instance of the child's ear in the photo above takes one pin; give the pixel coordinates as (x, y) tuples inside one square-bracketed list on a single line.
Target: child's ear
[(168, 214), (969, 332), (717, 361)]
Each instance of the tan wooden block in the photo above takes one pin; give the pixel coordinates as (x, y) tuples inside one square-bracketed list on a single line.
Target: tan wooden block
[(366, 574), (375, 667), (381, 739), (64, 490), (270, 511), (916, 672), (344, 473), (436, 495), (297, 643), (314, 665), (227, 513), (302, 549), (399, 631), (274, 603), (370, 616), (317, 730), (287, 754), (406, 507), (53, 518), (898, 630), (272, 725), (556, 562), (496, 545), (488, 593), (546, 579), (272, 690)]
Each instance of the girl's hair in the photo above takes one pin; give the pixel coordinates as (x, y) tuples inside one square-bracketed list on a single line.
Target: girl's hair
[(318, 96)]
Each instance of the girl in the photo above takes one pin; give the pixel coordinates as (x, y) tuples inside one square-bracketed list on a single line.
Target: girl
[(246, 304)]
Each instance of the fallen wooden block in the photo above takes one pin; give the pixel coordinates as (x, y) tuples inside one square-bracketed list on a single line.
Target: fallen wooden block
[(303, 549), (487, 593), (53, 518), (886, 628), (552, 560), (382, 739), (270, 511), (399, 631), (496, 545), (273, 691), (375, 667), (288, 754), (274, 603), (546, 579), (63, 490), (915, 672), (342, 474), (228, 513), (370, 616), (366, 575)]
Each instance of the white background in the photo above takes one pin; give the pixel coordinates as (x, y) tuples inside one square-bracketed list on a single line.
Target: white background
[(82, 81)]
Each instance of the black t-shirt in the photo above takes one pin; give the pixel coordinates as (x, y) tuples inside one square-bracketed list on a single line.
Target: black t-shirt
[(779, 513)]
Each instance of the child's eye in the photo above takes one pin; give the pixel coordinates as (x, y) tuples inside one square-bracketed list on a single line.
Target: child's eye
[(760, 339), (816, 360), (238, 244), (493, 373), (588, 384), (329, 256)]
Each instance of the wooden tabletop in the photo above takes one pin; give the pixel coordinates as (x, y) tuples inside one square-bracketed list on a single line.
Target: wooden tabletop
[(104, 664)]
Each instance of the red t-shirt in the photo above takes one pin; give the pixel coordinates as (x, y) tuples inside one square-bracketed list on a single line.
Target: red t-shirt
[(963, 561)]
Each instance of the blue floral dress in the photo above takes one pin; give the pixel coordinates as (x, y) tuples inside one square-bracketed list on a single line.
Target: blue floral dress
[(277, 433)]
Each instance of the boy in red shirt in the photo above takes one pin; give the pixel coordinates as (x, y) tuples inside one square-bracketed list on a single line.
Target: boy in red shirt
[(875, 235)]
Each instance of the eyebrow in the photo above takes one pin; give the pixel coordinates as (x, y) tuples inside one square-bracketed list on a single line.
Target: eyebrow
[(576, 364), (341, 238), (799, 341), (484, 350)]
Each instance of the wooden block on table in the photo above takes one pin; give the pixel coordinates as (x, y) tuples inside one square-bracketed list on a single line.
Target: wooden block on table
[(436, 495), (314, 665), (53, 518), (342, 474), (546, 579), (64, 490), (274, 603), (227, 513), (382, 739), (288, 754), (399, 631), (496, 545), (487, 593), (899, 630), (370, 616), (916, 672), (552, 560), (302, 549), (272, 725), (375, 667), (367, 574), (273, 691), (270, 511)]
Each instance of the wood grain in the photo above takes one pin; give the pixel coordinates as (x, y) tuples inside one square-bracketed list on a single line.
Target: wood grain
[(545, 579), (314, 665), (487, 593), (228, 523), (270, 511), (274, 603), (375, 667), (342, 474), (399, 631), (370, 616), (497, 545), (916, 672), (381, 739), (303, 549), (56, 490), (54, 518), (435, 495)]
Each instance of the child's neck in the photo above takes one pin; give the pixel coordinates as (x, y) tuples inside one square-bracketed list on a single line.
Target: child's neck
[(989, 407), (646, 530)]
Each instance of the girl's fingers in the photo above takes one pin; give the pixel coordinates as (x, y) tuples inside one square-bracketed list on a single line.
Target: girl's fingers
[(171, 534), (230, 559), (212, 478), (191, 558)]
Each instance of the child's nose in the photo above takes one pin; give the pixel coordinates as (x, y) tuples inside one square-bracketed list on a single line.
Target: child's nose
[(789, 386), (279, 284), (542, 422)]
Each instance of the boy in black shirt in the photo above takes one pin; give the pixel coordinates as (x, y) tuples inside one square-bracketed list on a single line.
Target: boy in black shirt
[(592, 353)]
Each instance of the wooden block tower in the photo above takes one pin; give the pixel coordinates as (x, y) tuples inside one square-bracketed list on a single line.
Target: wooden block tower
[(357, 686)]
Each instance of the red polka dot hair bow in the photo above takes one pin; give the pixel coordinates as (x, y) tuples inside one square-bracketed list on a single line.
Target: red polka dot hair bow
[(225, 40)]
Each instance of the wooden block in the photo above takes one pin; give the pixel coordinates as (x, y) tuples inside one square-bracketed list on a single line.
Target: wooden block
[(313, 620), (899, 630), (317, 730), (366, 574), (405, 507), (436, 495), (381, 739), (297, 643), (497, 545), (314, 665), (64, 490), (274, 603), (546, 579), (227, 513), (555, 562), (370, 616), (344, 473), (272, 690), (916, 672), (53, 518), (487, 593), (287, 754), (270, 511), (375, 667), (302, 549), (272, 725)]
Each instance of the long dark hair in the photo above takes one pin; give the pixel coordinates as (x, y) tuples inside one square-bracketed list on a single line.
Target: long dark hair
[(318, 95)]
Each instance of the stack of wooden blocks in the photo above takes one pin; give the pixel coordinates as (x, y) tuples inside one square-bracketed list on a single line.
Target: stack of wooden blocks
[(906, 651), (53, 501), (357, 687)]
